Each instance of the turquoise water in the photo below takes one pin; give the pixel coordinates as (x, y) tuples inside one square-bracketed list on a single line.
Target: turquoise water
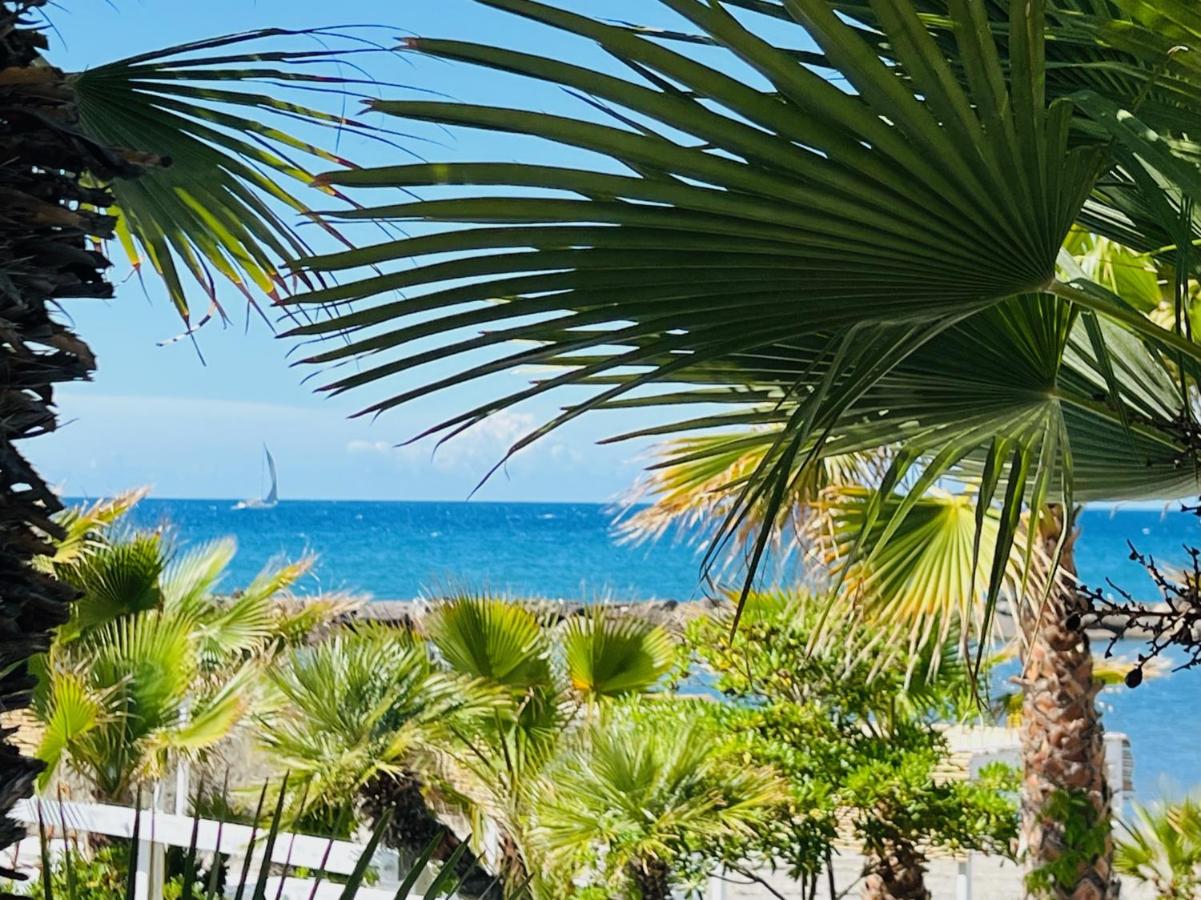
[(403, 550)]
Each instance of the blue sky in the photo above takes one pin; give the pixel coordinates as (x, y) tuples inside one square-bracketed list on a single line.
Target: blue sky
[(155, 415)]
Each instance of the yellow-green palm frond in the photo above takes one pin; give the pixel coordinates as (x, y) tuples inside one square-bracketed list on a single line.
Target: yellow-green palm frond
[(692, 483), (1161, 846), (920, 568), (607, 655), (489, 638)]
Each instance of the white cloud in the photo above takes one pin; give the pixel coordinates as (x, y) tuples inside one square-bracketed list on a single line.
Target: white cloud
[(484, 443), (378, 447)]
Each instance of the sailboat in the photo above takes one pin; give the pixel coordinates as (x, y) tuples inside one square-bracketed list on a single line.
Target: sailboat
[(272, 498)]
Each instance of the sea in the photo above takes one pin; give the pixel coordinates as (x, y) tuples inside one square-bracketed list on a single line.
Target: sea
[(572, 551)]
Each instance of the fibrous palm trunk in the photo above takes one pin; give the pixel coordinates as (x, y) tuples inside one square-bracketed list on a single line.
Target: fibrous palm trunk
[(651, 876), (896, 871), (44, 258), (1065, 795), (414, 826)]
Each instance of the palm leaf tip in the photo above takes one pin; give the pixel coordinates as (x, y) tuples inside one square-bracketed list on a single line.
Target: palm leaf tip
[(219, 127)]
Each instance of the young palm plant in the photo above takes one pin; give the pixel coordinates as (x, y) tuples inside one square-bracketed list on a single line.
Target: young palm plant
[(366, 718), (845, 269), (549, 694), (636, 795), (152, 668)]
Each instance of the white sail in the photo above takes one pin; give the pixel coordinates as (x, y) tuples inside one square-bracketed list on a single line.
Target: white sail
[(272, 499)]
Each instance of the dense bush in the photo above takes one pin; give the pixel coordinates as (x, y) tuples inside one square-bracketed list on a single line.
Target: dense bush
[(852, 731)]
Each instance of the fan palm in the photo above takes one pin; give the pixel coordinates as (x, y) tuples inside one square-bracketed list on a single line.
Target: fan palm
[(638, 792), (365, 716), (151, 667), (1163, 848), (844, 269), (602, 658), (184, 157)]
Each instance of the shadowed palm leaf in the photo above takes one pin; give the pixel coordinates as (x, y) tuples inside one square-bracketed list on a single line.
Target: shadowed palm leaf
[(821, 262)]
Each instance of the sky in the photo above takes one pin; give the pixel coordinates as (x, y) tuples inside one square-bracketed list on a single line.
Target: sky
[(156, 415)]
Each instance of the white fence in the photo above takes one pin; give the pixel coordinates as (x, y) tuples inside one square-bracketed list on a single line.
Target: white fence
[(159, 830)]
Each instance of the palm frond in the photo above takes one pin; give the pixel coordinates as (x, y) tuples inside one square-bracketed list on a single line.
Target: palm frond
[(225, 129), (928, 579), (83, 526), (844, 269), (487, 638), (1162, 846), (609, 656), (114, 580), (645, 785)]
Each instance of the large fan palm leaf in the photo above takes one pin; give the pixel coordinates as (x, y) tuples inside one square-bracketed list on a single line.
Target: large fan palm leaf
[(824, 260)]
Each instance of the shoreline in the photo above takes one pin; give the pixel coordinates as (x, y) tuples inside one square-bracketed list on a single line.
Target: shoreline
[(676, 613)]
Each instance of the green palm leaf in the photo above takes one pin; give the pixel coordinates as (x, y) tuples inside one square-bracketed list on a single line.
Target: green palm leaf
[(486, 638), (191, 576), (84, 527), (360, 704), (216, 123), (644, 785), (114, 580), (609, 656), (69, 710), (1162, 846), (807, 256)]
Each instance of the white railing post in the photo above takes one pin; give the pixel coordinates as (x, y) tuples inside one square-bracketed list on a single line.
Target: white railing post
[(717, 888), (152, 857), (963, 878)]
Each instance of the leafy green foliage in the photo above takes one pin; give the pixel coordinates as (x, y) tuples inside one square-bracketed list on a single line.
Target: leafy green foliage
[(555, 678), (645, 786), (363, 703), (849, 728), (99, 875), (152, 667), (1162, 847), (1086, 836)]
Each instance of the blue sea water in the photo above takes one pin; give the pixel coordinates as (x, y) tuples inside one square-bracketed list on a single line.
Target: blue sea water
[(393, 550)]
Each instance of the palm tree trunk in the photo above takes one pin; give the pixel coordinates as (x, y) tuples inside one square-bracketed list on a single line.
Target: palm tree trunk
[(651, 877), (1065, 797), (896, 871), (44, 258), (414, 826)]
